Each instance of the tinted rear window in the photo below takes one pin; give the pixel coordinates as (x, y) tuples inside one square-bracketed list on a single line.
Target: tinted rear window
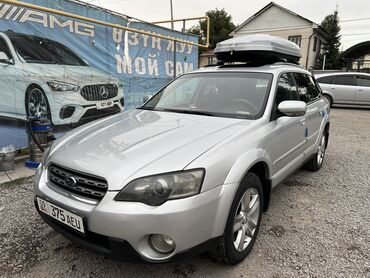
[(344, 80), (363, 81), (325, 79)]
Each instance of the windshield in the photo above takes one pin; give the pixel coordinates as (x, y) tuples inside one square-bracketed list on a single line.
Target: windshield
[(239, 95), (43, 51)]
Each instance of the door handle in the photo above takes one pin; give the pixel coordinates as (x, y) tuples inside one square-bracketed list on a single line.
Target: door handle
[(332, 88), (359, 90)]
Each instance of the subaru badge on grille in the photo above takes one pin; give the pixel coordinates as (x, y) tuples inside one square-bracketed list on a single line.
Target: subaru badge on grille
[(70, 181)]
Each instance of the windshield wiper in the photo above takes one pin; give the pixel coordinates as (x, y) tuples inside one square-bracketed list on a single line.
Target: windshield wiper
[(195, 112)]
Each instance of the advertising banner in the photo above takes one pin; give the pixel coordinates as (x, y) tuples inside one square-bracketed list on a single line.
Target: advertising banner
[(74, 71)]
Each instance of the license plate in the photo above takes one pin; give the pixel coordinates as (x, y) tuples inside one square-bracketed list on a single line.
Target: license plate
[(68, 218), (104, 104)]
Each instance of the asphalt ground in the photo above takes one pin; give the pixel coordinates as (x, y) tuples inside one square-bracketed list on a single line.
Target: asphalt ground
[(318, 225)]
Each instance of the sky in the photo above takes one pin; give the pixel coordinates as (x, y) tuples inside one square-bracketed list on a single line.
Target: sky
[(352, 32)]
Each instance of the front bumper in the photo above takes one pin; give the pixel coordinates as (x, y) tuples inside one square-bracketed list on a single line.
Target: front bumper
[(114, 227), (116, 248), (71, 108)]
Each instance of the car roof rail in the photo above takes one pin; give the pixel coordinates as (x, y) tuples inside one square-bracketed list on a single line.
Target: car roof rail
[(288, 63), (256, 63), (219, 63)]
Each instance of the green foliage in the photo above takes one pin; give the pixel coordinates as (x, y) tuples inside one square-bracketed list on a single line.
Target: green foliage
[(331, 25), (220, 27)]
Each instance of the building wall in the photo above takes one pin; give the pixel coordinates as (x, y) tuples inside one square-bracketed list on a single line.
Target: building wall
[(274, 18)]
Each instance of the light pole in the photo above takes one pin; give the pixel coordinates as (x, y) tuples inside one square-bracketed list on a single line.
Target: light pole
[(171, 14), (324, 60)]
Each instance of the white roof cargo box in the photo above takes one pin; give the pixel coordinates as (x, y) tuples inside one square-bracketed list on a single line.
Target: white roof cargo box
[(260, 47)]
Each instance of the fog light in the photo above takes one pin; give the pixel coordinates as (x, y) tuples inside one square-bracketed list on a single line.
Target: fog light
[(162, 244)]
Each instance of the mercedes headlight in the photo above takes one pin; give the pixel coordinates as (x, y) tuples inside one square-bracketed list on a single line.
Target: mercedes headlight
[(155, 190), (62, 87)]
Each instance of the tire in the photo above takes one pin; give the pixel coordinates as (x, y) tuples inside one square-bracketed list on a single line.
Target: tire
[(36, 103), (232, 249), (317, 160), (329, 99)]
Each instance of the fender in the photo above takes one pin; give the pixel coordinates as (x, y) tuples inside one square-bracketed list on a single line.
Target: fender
[(245, 162)]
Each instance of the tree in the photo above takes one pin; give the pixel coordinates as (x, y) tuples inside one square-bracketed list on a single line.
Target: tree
[(331, 25), (221, 26)]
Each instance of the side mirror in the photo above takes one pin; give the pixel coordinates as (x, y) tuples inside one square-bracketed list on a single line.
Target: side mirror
[(146, 98), (292, 108), (4, 58)]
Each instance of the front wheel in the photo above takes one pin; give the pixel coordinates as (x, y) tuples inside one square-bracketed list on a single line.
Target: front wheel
[(315, 163), (37, 104), (243, 222)]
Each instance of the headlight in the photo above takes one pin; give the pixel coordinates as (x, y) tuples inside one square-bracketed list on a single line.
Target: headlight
[(155, 190), (63, 87)]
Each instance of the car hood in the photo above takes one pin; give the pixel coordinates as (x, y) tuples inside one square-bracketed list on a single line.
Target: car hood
[(70, 74), (140, 143)]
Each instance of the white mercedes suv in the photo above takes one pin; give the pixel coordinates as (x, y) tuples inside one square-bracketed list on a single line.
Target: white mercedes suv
[(190, 170), (43, 78)]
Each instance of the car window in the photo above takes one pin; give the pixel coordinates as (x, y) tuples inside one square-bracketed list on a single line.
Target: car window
[(313, 90), (304, 87), (4, 48), (363, 81), (347, 80), (43, 51), (287, 88), (325, 79)]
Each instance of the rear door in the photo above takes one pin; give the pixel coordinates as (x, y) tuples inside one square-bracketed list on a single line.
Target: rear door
[(363, 90), (311, 95), (343, 89)]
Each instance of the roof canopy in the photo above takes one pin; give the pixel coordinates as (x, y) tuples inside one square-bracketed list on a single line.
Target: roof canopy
[(357, 51)]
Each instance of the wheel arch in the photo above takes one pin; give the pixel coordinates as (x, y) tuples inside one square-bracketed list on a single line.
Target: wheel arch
[(259, 167), (330, 95)]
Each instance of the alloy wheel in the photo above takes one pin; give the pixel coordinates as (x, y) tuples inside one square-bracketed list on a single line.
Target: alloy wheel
[(37, 104), (321, 150), (246, 219)]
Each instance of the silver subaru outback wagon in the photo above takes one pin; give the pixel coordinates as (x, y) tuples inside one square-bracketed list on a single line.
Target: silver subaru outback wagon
[(189, 171)]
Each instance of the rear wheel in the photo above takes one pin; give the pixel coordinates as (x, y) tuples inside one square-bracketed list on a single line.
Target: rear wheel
[(243, 222), (315, 163)]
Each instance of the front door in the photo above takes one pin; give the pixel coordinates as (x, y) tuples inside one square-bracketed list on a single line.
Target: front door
[(289, 132)]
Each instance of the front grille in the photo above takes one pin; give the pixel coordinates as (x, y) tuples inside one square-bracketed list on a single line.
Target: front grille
[(84, 185), (99, 92)]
